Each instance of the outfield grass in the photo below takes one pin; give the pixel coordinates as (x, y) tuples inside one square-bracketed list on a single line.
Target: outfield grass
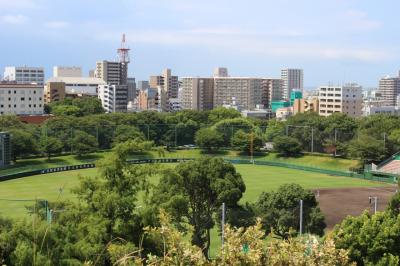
[(317, 161), (257, 179)]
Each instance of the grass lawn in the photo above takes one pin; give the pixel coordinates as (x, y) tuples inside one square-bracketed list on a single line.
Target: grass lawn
[(257, 179), (318, 161)]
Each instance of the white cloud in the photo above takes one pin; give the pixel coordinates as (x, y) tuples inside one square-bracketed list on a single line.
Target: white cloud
[(57, 24), (13, 19), (359, 20)]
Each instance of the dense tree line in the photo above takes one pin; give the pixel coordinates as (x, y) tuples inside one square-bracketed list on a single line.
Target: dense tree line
[(370, 139)]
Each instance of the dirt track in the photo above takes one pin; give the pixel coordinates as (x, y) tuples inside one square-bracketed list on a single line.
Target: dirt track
[(336, 204)]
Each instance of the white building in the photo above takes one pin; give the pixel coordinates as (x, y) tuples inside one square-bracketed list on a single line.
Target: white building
[(389, 88), (24, 75), (64, 71), (79, 85), (113, 97), (21, 99), (292, 79), (373, 110), (346, 99)]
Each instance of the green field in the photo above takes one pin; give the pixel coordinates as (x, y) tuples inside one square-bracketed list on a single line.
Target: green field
[(318, 161), (257, 179)]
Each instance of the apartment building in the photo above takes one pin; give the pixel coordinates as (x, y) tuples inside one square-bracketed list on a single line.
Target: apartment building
[(197, 93), (292, 79), (245, 92), (131, 82), (148, 99), (83, 86), (54, 92), (113, 73), (24, 75), (21, 99), (340, 99), (114, 98), (168, 84), (389, 88), (64, 71), (306, 105), (273, 91), (221, 72)]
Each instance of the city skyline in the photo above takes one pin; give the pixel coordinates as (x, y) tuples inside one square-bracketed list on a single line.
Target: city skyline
[(336, 42)]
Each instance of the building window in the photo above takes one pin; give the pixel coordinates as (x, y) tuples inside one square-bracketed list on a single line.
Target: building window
[(15, 92), (22, 98)]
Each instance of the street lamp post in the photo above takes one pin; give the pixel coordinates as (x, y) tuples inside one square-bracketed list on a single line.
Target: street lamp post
[(223, 225), (375, 203)]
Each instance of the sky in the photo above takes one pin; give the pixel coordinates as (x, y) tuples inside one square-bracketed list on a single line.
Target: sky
[(334, 41)]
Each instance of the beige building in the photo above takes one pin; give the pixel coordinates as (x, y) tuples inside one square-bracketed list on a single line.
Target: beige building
[(63, 71), (197, 93), (148, 99), (390, 89), (169, 86), (306, 105), (245, 92), (54, 92), (341, 99)]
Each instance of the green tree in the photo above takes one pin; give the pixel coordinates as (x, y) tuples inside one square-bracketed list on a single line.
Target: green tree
[(22, 143), (221, 113), (66, 110), (370, 239), (280, 211), (83, 143), (275, 129), (50, 145), (209, 139), (246, 141), (287, 146), (124, 133), (195, 190), (367, 148)]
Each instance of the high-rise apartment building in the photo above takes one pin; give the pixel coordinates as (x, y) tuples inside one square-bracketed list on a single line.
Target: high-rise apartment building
[(221, 72), (63, 71), (341, 99), (21, 99), (245, 92), (113, 97), (169, 86), (113, 73), (24, 75), (272, 91), (389, 87), (197, 93), (148, 99), (292, 79)]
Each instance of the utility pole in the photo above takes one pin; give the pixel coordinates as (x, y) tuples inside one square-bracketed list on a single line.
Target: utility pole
[(223, 225), (251, 146), (287, 130), (335, 141), (312, 140), (176, 138), (301, 217), (384, 140)]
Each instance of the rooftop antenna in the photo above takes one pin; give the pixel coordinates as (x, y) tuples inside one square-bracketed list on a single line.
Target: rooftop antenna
[(123, 51)]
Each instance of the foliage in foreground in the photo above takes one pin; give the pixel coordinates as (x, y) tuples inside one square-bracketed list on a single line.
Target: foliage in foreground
[(241, 247)]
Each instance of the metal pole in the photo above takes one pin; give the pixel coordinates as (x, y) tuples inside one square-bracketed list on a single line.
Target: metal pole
[(287, 130), (384, 140), (376, 204), (148, 132), (335, 141), (176, 138), (223, 225), (312, 140), (301, 217)]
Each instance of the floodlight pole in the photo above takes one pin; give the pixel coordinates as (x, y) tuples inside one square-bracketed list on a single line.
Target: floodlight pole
[(301, 217), (335, 141), (312, 140)]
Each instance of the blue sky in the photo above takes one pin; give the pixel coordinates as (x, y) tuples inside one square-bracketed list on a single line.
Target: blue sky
[(332, 40)]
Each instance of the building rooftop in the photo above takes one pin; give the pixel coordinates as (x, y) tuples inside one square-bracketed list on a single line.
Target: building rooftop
[(77, 80), (20, 86)]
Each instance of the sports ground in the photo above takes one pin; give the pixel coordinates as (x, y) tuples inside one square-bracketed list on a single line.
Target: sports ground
[(57, 186)]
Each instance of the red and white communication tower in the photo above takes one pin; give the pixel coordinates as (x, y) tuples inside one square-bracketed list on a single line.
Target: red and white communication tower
[(123, 52)]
